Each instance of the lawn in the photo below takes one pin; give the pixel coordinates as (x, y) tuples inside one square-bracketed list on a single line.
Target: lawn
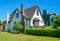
[(5, 36)]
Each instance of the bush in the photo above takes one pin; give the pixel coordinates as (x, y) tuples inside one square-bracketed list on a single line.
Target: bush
[(55, 26), (56, 22), (18, 26), (58, 27), (43, 32)]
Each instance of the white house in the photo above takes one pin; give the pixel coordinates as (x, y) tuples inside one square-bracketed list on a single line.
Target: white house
[(30, 17)]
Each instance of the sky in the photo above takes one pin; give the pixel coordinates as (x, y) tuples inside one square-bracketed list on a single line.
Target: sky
[(8, 6)]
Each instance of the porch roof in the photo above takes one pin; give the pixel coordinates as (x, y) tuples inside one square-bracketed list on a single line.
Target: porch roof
[(36, 19)]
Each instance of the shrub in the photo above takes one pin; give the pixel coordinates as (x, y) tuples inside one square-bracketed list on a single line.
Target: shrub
[(18, 26), (56, 22), (58, 27), (43, 32)]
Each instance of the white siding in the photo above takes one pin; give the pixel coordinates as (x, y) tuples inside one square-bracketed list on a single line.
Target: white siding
[(41, 22)]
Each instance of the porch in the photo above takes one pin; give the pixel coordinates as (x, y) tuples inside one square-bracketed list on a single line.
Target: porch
[(36, 22)]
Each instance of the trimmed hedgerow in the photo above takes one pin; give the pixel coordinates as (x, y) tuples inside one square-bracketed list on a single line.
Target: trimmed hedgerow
[(43, 32)]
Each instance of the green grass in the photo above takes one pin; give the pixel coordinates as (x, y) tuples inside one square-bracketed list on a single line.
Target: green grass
[(5, 36)]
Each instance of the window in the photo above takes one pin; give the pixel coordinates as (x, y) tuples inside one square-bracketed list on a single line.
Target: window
[(52, 19), (14, 22), (37, 12), (33, 21), (26, 22), (17, 15), (29, 22), (41, 21)]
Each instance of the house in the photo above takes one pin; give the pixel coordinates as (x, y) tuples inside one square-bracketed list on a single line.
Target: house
[(30, 17), (48, 17), (2, 27)]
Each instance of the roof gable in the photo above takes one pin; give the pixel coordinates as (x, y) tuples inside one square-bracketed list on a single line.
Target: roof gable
[(12, 15), (51, 13), (29, 12)]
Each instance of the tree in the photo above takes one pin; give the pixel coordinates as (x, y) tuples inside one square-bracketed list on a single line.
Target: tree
[(4, 22), (18, 26), (0, 22), (56, 22)]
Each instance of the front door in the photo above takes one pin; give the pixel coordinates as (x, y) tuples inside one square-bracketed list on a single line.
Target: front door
[(36, 23)]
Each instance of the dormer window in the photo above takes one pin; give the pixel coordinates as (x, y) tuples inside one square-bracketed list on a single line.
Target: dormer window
[(17, 15), (37, 12)]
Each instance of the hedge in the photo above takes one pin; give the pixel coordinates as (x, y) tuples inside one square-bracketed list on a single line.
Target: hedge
[(43, 32)]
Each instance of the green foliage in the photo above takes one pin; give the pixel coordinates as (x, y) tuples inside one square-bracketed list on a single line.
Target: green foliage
[(43, 32), (5, 36), (56, 22), (2, 22), (58, 28), (18, 26)]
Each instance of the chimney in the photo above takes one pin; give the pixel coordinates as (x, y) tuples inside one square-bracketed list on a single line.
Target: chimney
[(7, 19), (44, 12), (22, 9)]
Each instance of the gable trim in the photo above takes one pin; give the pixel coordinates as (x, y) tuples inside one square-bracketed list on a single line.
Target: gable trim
[(10, 19)]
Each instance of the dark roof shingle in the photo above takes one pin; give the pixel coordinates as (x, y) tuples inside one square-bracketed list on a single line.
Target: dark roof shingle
[(30, 12)]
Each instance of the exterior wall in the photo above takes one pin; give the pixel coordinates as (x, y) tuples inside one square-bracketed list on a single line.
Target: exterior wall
[(41, 22), (51, 16), (48, 19), (26, 23), (8, 27), (15, 20)]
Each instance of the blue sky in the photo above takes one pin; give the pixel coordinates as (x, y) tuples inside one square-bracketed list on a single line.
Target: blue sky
[(8, 6)]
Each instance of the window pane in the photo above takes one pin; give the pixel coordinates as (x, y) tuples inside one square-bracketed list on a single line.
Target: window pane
[(52, 19), (17, 15), (37, 12)]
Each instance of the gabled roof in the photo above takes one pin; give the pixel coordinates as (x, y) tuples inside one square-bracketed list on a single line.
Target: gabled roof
[(28, 13), (12, 15), (51, 13)]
